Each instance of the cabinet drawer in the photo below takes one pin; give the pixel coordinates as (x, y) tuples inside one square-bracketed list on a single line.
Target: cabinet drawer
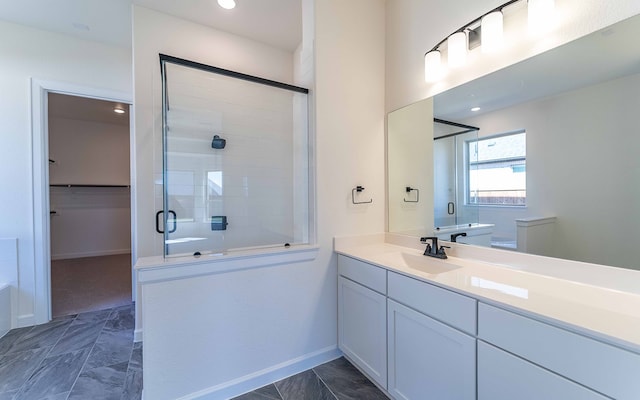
[(365, 274), (443, 305), (604, 368), (503, 376)]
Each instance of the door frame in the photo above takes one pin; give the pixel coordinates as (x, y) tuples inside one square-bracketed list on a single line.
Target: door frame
[(40, 163)]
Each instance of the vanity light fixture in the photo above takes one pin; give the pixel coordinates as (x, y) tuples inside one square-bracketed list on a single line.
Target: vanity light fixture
[(227, 4), (457, 49), (540, 15), (433, 69), (492, 32), (490, 26)]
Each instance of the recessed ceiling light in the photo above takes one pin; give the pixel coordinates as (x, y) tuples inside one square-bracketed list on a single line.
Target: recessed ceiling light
[(118, 110), (227, 4), (474, 109)]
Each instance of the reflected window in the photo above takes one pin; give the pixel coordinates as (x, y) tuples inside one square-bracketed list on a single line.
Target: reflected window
[(497, 173)]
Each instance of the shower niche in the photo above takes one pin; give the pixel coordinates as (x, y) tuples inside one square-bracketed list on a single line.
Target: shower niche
[(235, 161)]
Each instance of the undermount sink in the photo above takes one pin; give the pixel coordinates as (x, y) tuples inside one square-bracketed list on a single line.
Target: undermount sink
[(427, 264)]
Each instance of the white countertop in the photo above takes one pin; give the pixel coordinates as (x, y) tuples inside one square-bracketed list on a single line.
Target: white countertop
[(603, 312)]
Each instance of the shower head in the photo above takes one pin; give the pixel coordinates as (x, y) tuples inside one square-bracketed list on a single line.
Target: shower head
[(218, 142)]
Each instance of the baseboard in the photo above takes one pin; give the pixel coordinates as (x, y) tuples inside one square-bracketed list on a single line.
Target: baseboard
[(66, 256), (137, 335), (266, 376), (26, 320)]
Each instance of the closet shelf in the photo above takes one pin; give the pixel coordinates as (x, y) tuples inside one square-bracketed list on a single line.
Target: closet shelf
[(78, 185)]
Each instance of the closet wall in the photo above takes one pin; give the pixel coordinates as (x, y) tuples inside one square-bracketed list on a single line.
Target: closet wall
[(89, 179)]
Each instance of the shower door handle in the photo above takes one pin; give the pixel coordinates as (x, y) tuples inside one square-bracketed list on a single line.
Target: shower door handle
[(451, 208), (175, 221)]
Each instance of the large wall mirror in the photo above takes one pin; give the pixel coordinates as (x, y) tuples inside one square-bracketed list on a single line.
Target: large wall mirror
[(549, 164)]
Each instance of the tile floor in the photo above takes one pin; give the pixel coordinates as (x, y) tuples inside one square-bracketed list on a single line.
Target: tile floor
[(84, 356), (335, 380), (86, 284)]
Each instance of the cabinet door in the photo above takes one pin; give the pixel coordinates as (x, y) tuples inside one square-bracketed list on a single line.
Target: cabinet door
[(428, 359), (362, 328), (502, 376)]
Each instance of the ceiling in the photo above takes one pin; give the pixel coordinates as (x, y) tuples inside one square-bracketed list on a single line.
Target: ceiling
[(86, 109), (274, 22)]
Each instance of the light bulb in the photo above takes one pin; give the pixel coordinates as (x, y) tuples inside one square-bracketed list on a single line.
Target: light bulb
[(457, 48), (227, 4), (433, 70), (492, 32), (541, 15)]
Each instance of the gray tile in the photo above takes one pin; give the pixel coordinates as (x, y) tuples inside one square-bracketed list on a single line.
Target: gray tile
[(121, 318), (45, 335), (346, 382), (59, 396), (304, 386), (132, 385), (103, 383), (54, 376), (112, 347), (94, 316), (8, 395), (16, 368), (268, 392), (80, 335), (136, 358), (64, 317), (8, 340)]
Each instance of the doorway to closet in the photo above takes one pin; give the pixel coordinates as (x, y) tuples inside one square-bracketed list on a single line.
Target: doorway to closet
[(89, 203)]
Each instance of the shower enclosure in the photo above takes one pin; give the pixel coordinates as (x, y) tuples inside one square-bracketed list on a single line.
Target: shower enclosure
[(451, 183), (235, 161)]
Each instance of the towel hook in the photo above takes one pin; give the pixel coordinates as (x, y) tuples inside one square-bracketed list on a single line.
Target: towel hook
[(409, 189), (353, 195)]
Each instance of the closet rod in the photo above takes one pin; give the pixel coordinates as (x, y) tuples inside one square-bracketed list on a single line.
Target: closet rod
[(74, 185)]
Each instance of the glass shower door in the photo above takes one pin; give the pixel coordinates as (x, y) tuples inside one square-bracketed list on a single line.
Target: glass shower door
[(235, 162)]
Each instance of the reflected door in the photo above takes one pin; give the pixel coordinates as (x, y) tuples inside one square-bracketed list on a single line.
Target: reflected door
[(444, 168)]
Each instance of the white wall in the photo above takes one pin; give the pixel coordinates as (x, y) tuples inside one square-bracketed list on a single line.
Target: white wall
[(88, 152), (415, 26), (582, 167), (49, 56), (410, 136), (90, 222)]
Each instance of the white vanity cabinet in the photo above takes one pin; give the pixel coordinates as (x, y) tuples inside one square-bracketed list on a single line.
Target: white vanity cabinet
[(421, 341), (547, 362), (503, 376), (429, 357), (362, 316)]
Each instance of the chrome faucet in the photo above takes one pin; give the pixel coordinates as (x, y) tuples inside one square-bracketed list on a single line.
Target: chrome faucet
[(432, 249)]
